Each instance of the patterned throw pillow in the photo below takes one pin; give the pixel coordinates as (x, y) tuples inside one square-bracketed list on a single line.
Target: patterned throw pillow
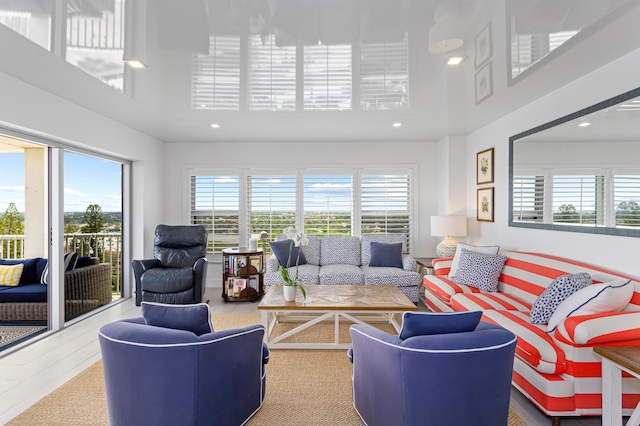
[(561, 288), (478, 249), (10, 274), (479, 270)]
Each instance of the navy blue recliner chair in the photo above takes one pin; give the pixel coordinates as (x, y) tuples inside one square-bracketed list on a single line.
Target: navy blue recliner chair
[(170, 368), (442, 369), (178, 270)]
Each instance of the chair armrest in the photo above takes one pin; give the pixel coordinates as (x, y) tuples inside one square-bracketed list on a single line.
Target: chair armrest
[(199, 277), (272, 264), (441, 266), (139, 267), (599, 329), (409, 263), (91, 283)]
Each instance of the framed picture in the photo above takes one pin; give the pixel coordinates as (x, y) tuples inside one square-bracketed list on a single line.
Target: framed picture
[(484, 84), (485, 205), (484, 166), (483, 46)]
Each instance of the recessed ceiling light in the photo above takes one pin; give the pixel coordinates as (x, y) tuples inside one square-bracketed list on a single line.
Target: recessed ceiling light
[(455, 60), (397, 124), (584, 124), (136, 63), (215, 125)]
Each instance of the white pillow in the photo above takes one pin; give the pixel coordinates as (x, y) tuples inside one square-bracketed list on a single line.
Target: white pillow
[(477, 249), (613, 296)]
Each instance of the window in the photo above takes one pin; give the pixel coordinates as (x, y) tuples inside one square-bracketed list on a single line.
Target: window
[(215, 81), (384, 76), (527, 49), (272, 75), (215, 203), (328, 204), (386, 204), (271, 203), (597, 197), (528, 198), (327, 78), (626, 188), (579, 199), (238, 206), (302, 78), (95, 40)]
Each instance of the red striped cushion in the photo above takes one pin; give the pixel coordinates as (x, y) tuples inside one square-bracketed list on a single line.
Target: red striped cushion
[(599, 328), (484, 301), (535, 346), (444, 288)]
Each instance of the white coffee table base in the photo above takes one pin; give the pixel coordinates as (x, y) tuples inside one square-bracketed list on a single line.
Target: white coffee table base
[(612, 395), (270, 318)]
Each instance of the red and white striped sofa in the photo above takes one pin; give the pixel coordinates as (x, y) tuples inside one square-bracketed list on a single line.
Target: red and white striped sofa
[(557, 371)]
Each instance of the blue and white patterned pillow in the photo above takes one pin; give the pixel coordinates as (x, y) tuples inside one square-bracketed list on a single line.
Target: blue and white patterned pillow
[(561, 288), (479, 270)]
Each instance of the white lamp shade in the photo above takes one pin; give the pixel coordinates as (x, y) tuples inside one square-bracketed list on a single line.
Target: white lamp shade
[(449, 226), (445, 36)]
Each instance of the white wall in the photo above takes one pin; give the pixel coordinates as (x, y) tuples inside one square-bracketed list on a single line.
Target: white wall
[(422, 155), (613, 252), (26, 108)]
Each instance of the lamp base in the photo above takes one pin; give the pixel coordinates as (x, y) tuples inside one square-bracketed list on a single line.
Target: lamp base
[(447, 247)]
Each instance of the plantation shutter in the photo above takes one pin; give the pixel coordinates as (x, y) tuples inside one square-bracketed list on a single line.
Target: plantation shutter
[(215, 202), (215, 78), (626, 188), (271, 204), (386, 205), (528, 198), (328, 204), (384, 76), (272, 75), (327, 78), (579, 199)]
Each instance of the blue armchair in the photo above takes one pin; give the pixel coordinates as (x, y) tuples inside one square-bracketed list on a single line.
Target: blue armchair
[(438, 371), (156, 375), (178, 270)]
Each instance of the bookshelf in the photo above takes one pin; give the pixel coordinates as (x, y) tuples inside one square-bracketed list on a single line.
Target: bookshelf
[(242, 274)]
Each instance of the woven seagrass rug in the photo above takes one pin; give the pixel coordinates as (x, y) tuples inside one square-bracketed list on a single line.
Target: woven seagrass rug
[(82, 401), (11, 334)]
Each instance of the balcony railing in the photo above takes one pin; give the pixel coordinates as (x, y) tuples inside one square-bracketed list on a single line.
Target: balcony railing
[(106, 246)]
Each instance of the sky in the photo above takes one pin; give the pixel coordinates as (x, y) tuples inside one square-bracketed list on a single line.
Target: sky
[(87, 180)]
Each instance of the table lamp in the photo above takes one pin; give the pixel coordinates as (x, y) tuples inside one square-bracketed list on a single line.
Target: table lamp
[(448, 226)]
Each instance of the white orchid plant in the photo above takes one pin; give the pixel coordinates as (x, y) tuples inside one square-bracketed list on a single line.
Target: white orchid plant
[(298, 239)]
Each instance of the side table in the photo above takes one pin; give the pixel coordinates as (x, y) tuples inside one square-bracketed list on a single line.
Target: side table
[(425, 267), (615, 360)]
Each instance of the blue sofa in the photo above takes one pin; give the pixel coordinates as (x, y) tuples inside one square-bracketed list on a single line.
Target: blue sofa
[(86, 288)]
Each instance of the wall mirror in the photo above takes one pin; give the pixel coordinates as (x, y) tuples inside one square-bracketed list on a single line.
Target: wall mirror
[(537, 28), (580, 173)]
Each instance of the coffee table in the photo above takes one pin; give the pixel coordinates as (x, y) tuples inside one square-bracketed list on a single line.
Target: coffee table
[(361, 304), (615, 360)]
